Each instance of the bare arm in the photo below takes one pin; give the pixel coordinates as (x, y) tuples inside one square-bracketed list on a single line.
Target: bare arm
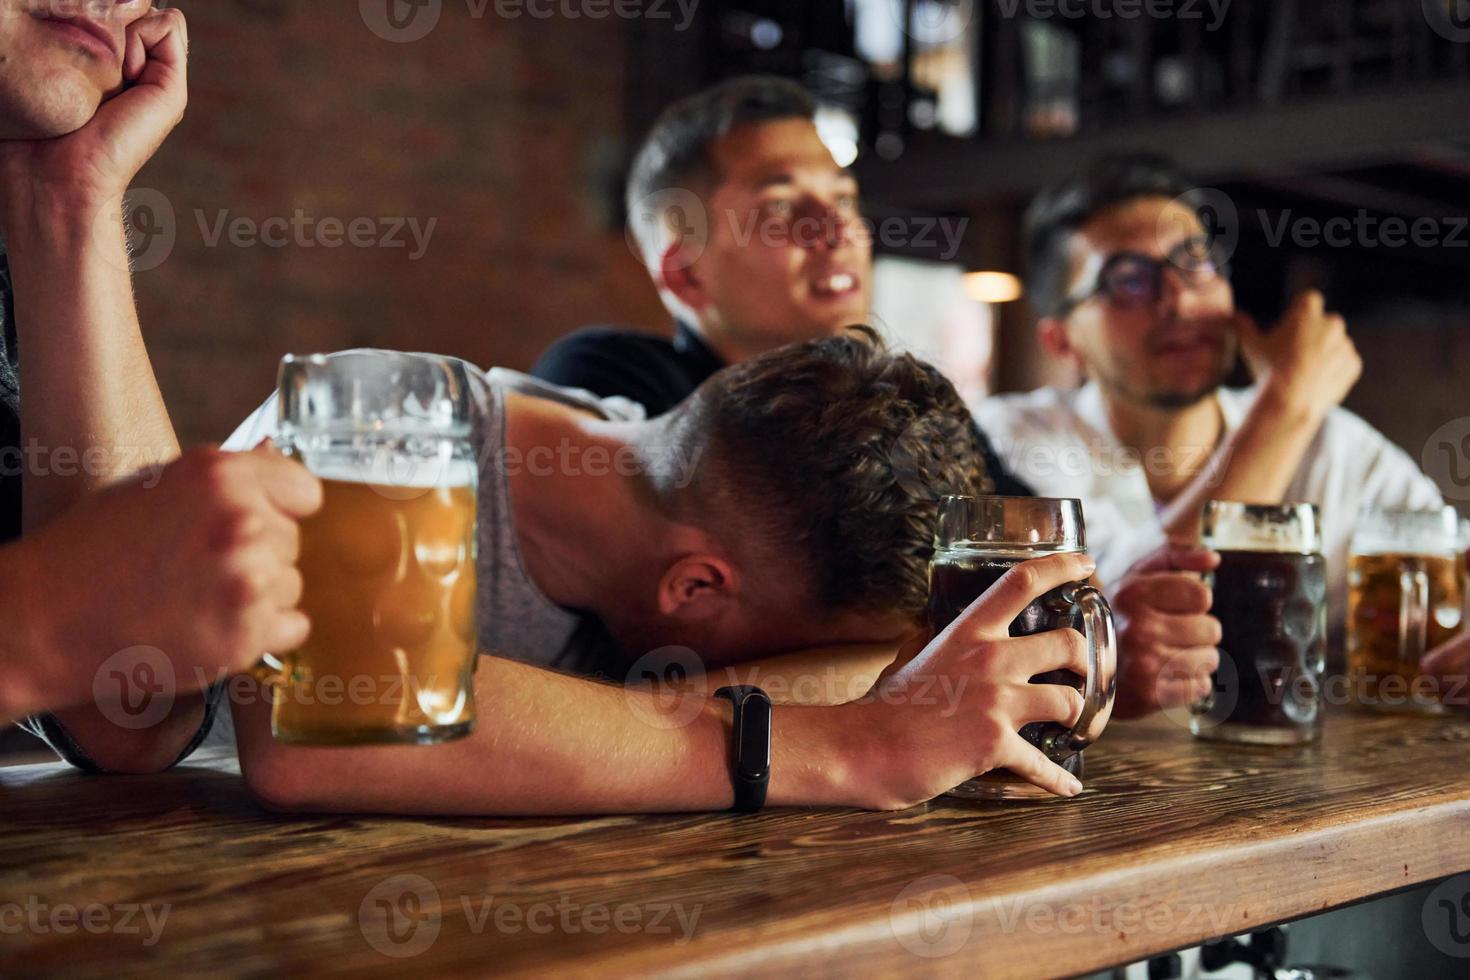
[(546, 743), (92, 406), (1306, 367)]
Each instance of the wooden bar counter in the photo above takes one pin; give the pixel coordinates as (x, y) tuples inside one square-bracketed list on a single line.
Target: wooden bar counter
[(1175, 841)]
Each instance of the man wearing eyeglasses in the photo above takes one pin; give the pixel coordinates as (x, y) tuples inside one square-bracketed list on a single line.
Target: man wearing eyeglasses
[(1130, 289)]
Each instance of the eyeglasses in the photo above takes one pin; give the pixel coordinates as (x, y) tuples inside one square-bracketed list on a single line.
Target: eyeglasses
[(1132, 280)]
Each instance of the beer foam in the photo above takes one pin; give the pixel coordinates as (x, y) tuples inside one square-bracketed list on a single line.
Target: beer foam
[(410, 474)]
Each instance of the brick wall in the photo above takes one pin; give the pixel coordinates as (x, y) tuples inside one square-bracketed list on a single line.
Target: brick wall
[(507, 133)]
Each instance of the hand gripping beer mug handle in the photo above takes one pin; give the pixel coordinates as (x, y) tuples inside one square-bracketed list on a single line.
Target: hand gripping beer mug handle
[(1413, 612), (1102, 662)]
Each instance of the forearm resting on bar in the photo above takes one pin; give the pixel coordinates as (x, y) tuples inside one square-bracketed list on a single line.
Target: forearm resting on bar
[(547, 743)]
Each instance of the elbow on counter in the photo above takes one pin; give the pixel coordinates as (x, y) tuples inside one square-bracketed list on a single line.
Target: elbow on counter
[(281, 784)]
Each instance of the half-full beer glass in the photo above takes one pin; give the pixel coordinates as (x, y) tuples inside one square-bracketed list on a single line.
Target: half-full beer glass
[(1271, 600), (389, 561), (979, 540), (1406, 596)]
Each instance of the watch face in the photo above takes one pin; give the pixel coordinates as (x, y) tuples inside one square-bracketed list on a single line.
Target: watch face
[(755, 735)]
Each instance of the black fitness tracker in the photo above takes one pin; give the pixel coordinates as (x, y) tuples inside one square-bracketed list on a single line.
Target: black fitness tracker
[(750, 745)]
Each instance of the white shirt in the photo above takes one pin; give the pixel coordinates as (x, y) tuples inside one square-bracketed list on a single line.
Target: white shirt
[(1060, 442)]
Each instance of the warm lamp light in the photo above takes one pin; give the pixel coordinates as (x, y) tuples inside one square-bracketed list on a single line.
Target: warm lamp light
[(992, 287)]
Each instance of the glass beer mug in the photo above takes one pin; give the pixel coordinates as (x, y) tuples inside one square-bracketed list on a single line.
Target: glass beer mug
[(1271, 601), (389, 562), (1406, 596), (979, 540)]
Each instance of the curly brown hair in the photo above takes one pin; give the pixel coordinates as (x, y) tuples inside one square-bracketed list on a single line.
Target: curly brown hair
[(836, 451)]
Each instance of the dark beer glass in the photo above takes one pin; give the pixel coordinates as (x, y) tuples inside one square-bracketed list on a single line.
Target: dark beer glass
[(1271, 600), (979, 540)]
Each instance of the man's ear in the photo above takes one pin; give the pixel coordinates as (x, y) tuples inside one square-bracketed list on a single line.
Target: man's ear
[(1051, 333), (696, 586), (677, 274)]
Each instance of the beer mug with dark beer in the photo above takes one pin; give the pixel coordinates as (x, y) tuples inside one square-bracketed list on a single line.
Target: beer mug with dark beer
[(979, 540), (389, 562)]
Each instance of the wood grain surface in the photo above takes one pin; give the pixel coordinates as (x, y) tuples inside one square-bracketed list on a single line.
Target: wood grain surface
[(1174, 841)]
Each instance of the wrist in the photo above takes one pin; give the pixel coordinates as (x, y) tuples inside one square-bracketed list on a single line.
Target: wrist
[(824, 756), (1286, 407), (42, 217)]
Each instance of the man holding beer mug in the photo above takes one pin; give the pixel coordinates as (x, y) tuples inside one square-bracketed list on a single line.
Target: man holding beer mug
[(746, 155), (88, 91), (1132, 289), (790, 503)]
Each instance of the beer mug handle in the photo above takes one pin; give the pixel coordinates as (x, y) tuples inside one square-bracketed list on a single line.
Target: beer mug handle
[(1102, 667), (1413, 612)]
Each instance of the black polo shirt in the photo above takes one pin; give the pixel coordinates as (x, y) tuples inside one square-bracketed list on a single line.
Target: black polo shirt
[(659, 373)]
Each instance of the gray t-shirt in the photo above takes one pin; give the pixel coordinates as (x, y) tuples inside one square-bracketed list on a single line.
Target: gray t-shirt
[(516, 619)]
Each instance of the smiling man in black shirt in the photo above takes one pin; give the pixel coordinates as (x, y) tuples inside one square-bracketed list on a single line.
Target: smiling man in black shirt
[(751, 233)]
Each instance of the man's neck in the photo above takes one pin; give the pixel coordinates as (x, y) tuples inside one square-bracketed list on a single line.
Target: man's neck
[(1174, 444), (576, 516)]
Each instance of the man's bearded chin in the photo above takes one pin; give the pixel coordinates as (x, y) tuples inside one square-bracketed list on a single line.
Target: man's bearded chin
[(44, 111), (1176, 400)]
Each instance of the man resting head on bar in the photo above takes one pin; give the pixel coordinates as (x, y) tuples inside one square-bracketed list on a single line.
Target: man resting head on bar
[(751, 233), (132, 593), (790, 503)]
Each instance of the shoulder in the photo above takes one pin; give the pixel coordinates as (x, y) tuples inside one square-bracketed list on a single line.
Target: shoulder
[(600, 342), (1009, 417)]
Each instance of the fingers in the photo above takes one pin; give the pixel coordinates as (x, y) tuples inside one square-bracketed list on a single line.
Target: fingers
[(1186, 676), (286, 631), (1452, 658), (287, 484), (991, 614), (1023, 657), (1032, 765), (1308, 306), (157, 48), (1161, 629), (1049, 702), (1182, 593), (1176, 557)]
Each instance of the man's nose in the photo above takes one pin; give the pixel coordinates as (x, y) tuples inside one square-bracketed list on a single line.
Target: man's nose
[(833, 225)]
